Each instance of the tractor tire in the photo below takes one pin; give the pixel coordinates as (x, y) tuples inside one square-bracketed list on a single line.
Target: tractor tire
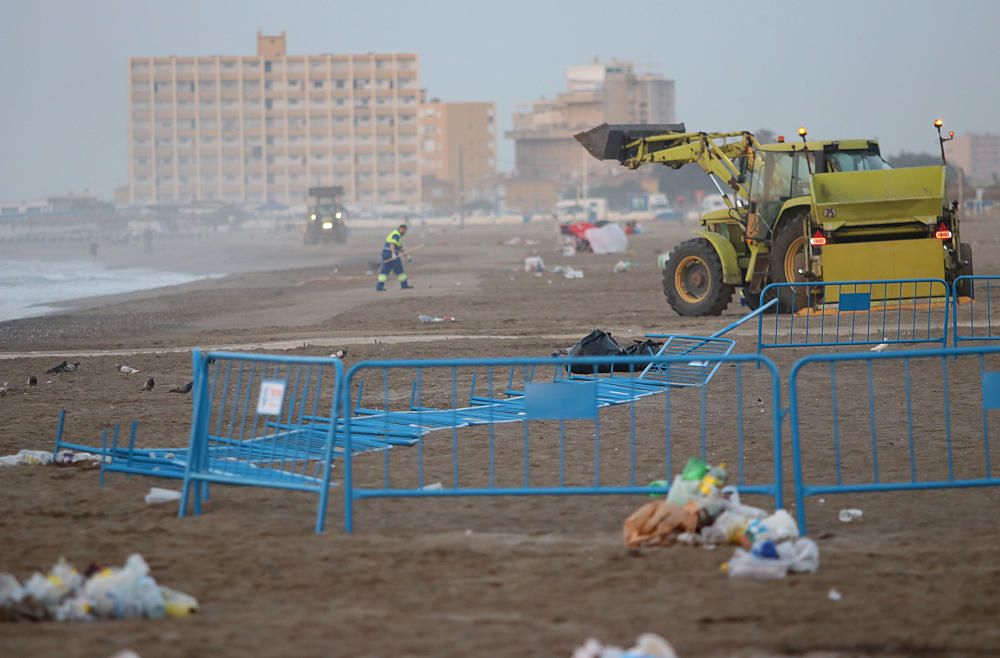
[(692, 280), (753, 300), (340, 233), (787, 261), (965, 288)]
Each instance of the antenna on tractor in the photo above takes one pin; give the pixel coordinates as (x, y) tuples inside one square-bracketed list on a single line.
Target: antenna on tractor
[(938, 123)]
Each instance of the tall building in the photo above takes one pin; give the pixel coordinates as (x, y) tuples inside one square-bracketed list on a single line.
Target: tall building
[(595, 93), (978, 154), (251, 128), (458, 152)]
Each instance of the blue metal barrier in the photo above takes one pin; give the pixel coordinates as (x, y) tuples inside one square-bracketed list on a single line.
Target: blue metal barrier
[(852, 313), (529, 428), (977, 322), (926, 427), (257, 422)]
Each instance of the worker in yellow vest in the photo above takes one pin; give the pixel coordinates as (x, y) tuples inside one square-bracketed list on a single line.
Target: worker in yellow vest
[(392, 259)]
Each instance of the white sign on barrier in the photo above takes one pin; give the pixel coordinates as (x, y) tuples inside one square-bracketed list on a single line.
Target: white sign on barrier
[(272, 394)]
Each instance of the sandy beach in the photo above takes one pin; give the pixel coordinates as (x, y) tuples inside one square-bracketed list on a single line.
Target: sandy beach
[(503, 577)]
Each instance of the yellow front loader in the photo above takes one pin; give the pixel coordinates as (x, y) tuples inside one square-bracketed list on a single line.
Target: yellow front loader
[(808, 211)]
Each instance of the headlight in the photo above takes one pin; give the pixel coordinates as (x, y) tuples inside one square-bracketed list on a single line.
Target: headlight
[(339, 215), (313, 217), (327, 225)]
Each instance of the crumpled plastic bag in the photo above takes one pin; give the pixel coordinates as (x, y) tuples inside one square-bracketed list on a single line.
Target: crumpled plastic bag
[(658, 523), (125, 593), (777, 527), (771, 561), (649, 645), (607, 239)]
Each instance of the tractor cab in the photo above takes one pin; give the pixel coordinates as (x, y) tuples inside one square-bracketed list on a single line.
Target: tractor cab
[(780, 172)]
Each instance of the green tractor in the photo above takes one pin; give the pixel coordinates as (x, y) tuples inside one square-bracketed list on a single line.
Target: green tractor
[(327, 216), (809, 211)]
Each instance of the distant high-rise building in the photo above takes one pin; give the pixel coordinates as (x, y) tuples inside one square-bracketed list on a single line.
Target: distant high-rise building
[(978, 154), (244, 128), (458, 152), (595, 93)]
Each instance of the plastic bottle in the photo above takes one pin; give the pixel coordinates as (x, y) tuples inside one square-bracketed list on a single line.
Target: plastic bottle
[(744, 565), (178, 604)]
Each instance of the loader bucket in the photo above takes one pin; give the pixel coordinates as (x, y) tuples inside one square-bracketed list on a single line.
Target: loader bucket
[(853, 199), (607, 141)]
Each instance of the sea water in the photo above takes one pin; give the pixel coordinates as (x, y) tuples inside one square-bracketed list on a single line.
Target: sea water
[(28, 287)]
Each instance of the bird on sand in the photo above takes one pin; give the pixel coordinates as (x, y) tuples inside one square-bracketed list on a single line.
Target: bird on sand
[(59, 368), (182, 390), (126, 370), (339, 354), (3, 390), (32, 381), (148, 386)]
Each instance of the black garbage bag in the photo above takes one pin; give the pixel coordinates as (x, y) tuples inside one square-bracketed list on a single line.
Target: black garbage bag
[(596, 343), (642, 348)]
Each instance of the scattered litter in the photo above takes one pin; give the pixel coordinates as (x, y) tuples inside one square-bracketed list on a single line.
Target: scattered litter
[(45, 457), (622, 266), (567, 272), (849, 515), (126, 370), (434, 486), (701, 510), (428, 319), (834, 595), (126, 653), (534, 264), (157, 495), (518, 241), (3, 389), (649, 645), (607, 239), (569, 250), (64, 594)]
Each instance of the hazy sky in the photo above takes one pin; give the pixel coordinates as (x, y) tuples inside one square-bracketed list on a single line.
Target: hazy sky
[(846, 68)]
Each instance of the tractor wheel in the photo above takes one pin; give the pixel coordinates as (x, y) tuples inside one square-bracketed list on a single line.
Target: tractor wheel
[(340, 233), (753, 300), (965, 288), (788, 261), (692, 279)]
